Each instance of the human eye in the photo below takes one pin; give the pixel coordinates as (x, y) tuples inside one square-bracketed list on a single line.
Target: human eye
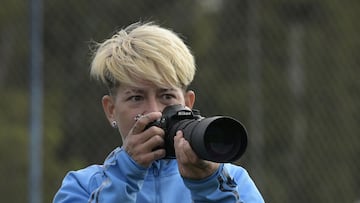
[(135, 98), (168, 96), (168, 99)]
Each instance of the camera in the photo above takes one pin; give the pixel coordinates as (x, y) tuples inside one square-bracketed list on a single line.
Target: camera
[(220, 139)]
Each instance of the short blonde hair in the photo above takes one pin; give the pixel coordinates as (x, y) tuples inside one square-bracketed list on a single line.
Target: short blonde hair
[(143, 52)]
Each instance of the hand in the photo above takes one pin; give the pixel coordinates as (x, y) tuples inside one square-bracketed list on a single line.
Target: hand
[(144, 146), (190, 166)]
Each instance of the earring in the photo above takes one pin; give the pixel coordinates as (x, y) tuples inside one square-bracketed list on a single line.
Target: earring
[(114, 124)]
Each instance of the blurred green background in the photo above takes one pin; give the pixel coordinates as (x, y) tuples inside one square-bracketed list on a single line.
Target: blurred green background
[(287, 69)]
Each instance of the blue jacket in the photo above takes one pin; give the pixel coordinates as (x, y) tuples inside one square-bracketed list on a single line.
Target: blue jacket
[(121, 180)]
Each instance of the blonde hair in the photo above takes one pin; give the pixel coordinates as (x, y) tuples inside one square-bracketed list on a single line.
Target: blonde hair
[(143, 52)]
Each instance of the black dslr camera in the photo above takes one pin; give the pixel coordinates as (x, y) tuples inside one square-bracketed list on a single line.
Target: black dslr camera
[(219, 139)]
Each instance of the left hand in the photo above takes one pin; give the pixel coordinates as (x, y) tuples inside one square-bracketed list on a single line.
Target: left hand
[(190, 165)]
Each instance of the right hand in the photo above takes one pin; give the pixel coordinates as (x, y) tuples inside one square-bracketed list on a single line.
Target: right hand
[(144, 147)]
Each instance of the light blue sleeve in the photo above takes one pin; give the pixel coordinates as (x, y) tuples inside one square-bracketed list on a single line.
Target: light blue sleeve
[(229, 184), (120, 181), (75, 186), (124, 179)]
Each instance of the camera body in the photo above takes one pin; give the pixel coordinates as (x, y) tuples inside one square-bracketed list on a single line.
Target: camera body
[(218, 139), (171, 116)]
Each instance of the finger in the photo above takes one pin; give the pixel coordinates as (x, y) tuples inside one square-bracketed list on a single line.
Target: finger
[(155, 142), (142, 121), (145, 153), (184, 152), (179, 146), (179, 135), (148, 158)]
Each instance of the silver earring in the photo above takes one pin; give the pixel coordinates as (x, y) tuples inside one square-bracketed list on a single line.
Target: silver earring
[(114, 124)]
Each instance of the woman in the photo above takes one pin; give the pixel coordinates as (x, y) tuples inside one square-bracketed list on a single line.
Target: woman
[(146, 68)]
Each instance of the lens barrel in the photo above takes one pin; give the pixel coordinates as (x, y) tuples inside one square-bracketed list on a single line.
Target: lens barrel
[(220, 139)]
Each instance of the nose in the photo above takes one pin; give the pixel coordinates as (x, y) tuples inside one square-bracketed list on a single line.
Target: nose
[(153, 105)]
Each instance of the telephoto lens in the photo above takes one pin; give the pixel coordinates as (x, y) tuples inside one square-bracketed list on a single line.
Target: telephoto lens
[(220, 139)]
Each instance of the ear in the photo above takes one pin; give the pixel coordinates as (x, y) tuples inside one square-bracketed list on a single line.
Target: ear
[(190, 99), (108, 104)]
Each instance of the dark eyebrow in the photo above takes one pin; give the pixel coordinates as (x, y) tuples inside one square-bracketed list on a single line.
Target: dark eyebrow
[(161, 90), (141, 91), (133, 90)]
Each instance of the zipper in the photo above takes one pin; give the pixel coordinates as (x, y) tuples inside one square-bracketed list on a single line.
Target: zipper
[(156, 172)]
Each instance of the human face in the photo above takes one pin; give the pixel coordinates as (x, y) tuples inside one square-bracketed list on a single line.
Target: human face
[(130, 101)]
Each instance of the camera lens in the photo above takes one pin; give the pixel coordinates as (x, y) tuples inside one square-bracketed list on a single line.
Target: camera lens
[(225, 139), (219, 139), (217, 143)]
